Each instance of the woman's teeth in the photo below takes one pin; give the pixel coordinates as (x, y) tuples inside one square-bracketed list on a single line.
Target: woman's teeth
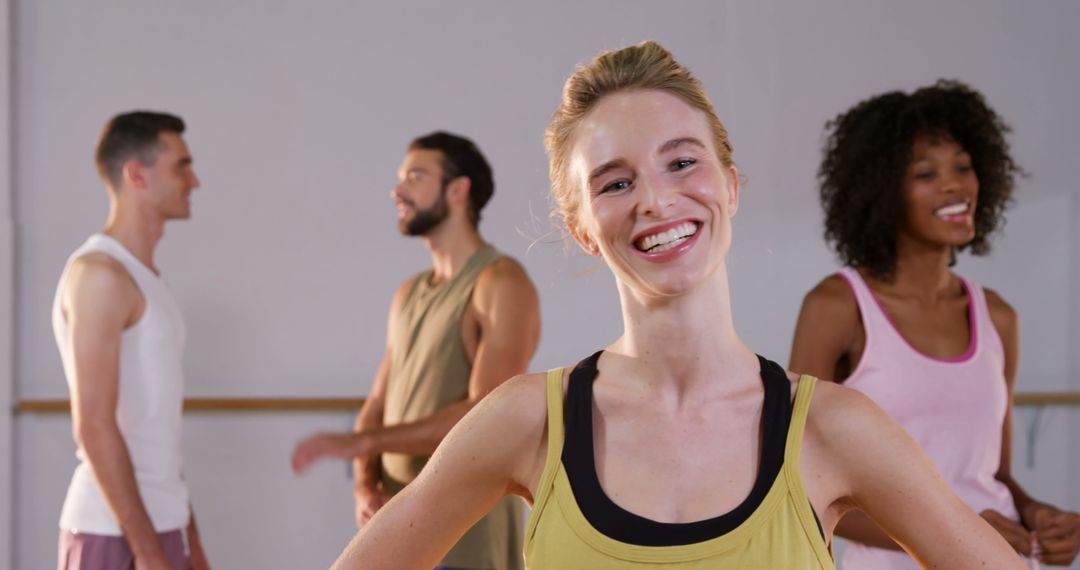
[(664, 241), (952, 210)]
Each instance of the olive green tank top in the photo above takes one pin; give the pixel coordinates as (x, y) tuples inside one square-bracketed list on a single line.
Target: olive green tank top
[(429, 370), (782, 533)]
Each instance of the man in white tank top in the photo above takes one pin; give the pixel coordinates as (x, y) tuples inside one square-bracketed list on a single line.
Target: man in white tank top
[(121, 337)]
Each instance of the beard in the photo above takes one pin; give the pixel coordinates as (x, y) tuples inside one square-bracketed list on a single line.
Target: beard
[(423, 221)]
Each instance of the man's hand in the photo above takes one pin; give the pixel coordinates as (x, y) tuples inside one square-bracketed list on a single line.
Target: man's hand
[(196, 556), (1057, 533), (157, 561), (340, 445), (368, 502)]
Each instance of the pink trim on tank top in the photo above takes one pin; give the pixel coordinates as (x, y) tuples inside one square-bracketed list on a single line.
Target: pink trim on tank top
[(972, 326)]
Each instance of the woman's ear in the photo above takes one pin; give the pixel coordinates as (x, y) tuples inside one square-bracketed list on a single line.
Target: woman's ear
[(583, 239), (733, 190)]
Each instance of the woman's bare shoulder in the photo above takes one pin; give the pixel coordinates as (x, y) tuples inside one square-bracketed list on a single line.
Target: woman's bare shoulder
[(521, 399), (832, 297), (849, 423)]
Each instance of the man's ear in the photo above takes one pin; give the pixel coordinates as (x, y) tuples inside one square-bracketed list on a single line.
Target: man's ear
[(133, 173), (457, 190), (583, 239)]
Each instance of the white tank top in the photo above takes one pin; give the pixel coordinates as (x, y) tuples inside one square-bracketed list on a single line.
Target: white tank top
[(149, 404)]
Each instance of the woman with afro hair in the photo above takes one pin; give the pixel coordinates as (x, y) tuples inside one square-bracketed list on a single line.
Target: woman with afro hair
[(907, 181)]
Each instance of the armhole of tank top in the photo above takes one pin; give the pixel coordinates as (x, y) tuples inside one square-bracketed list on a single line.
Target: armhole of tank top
[(553, 457), (865, 304), (127, 269), (464, 308), (986, 334), (416, 279), (793, 473)]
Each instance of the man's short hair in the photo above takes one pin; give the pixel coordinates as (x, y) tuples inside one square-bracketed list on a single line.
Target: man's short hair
[(462, 158), (132, 135)]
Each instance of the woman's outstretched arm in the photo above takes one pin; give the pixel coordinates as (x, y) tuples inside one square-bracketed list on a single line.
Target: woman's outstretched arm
[(885, 474), (494, 451)]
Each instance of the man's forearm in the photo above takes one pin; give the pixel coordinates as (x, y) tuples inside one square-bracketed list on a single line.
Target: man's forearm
[(192, 528), (367, 472), (367, 469), (421, 437), (196, 554), (108, 456)]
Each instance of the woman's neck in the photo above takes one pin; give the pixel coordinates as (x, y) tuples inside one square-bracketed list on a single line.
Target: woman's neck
[(686, 342), (921, 271)]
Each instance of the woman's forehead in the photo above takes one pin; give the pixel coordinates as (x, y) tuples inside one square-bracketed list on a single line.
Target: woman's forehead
[(634, 125)]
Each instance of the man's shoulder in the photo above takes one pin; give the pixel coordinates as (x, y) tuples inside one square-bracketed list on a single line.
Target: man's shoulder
[(97, 260), (503, 281), (406, 286), (97, 272), (503, 272)]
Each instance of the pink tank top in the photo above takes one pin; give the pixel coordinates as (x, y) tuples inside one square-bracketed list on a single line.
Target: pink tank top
[(954, 408)]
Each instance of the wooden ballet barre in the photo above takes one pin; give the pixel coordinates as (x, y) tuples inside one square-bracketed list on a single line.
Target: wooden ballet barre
[(353, 404), (1046, 399), (218, 405)]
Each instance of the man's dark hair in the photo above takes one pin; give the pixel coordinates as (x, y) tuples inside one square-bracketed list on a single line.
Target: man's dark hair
[(462, 158), (869, 148), (132, 135)]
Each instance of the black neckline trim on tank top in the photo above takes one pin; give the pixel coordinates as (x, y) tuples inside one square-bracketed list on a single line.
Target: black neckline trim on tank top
[(578, 459)]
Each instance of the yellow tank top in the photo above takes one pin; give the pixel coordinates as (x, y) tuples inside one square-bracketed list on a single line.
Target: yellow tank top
[(782, 532)]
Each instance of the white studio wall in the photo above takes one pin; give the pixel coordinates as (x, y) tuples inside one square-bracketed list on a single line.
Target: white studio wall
[(298, 115), (7, 294)]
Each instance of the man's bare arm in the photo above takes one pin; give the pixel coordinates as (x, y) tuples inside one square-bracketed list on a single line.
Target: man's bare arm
[(496, 450), (196, 554), (367, 469), (508, 312), (100, 301)]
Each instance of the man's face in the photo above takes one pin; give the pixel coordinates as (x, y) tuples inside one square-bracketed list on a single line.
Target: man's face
[(171, 178), (420, 193)]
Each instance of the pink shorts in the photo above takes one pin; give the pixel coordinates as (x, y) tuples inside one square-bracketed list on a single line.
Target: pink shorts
[(82, 551)]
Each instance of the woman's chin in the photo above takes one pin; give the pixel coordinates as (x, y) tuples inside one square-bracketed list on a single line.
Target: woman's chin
[(671, 286)]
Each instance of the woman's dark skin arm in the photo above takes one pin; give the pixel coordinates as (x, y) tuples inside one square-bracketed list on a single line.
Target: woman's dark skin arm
[(829, 335), (1056, 532)]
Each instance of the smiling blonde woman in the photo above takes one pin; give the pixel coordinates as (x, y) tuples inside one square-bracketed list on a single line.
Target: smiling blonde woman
[(675, 445)]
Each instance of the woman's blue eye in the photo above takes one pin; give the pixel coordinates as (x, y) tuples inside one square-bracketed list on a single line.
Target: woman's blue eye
[(617, 185), (682, 163)]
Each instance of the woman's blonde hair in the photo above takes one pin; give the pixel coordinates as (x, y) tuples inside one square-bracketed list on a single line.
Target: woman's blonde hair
[(644, 66)]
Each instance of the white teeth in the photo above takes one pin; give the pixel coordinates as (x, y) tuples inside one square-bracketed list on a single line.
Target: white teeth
[(668, 239), (952, 210)]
